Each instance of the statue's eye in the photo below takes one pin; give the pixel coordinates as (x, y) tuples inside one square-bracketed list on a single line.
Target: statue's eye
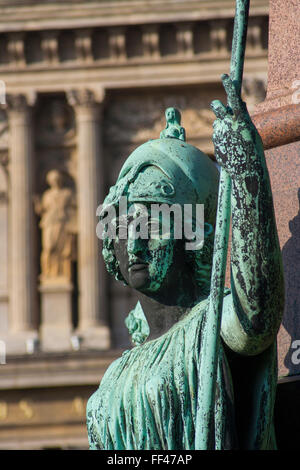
[(167, 189), (153, 225), (121, 224), (158, 230)]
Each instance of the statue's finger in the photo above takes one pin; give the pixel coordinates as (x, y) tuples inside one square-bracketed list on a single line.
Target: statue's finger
[(219, 109), (234, 100)]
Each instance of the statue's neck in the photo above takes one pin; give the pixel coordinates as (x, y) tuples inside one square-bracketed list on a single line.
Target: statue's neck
[(165, 308)]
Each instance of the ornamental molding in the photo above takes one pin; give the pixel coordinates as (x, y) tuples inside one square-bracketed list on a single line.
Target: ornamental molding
[(30, 16), (85, 97), (115, 46)]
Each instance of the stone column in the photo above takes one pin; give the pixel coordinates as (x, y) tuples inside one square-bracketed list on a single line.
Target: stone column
[(22, 298), (93, 330), (3, 248)]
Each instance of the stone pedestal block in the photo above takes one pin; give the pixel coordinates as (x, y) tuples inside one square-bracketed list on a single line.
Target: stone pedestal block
[(20, 342), (277, 120), (56, 310), (98, 338)]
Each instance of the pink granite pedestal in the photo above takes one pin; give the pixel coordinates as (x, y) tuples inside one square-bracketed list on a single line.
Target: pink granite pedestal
[(278, 122)]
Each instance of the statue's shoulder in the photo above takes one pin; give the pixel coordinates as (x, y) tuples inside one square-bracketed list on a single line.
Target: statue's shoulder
[(137, 325), (67, 193), (47, 195)]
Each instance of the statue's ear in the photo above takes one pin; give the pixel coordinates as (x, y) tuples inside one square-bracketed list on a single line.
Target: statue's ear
[(208, 228)]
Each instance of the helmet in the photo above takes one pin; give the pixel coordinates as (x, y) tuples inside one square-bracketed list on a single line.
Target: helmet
[(168, 170)]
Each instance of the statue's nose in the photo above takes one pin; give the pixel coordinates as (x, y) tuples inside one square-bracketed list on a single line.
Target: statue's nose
[(135, 245)]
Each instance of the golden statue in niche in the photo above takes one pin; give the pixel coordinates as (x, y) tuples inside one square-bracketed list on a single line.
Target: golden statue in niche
[(57, 209)]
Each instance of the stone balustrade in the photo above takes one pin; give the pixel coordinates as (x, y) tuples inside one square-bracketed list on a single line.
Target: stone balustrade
[(127, 44)]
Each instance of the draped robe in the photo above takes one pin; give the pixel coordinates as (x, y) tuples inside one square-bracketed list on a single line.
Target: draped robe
[(148, 399)]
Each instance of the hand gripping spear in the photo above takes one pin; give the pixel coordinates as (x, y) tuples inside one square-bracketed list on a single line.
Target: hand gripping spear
[(211, 340)]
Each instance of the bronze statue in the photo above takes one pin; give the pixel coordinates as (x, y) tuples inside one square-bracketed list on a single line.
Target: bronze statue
[(173, 125), (149, 398), (173, 391)]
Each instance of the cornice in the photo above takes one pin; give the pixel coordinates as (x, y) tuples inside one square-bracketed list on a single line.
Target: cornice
[(25, 15)]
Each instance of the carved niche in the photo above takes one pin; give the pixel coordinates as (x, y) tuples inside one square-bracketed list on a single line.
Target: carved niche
[(57, 211), (55, 120), (55, 177)]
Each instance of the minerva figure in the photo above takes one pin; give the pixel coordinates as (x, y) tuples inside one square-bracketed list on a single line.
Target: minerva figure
[(149, 398)]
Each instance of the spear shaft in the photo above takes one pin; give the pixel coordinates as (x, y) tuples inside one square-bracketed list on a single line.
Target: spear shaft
[(211, 340)]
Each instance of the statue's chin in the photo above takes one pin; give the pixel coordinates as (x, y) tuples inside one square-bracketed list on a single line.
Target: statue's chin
[(142, 281), (139, 278)]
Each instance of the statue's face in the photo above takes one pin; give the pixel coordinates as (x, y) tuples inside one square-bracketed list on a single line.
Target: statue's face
[(170, 114), (54, 179), (145, 264)]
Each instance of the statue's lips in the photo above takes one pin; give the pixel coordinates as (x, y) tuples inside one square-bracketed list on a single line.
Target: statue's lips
[(137, 267)]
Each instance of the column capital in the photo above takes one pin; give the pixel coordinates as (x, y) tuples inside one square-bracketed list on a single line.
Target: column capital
[(85, 97), (19, 104), (16, 102), (86, 102)]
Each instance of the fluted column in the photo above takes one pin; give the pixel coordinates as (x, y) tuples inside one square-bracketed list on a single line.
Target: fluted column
[(22, 276), (93, 329)]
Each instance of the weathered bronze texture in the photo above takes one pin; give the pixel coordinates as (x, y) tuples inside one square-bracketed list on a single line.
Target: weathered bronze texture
[(195, 380), (149, 398)]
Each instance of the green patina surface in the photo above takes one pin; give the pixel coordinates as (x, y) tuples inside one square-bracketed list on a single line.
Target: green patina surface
[(196, 379)]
